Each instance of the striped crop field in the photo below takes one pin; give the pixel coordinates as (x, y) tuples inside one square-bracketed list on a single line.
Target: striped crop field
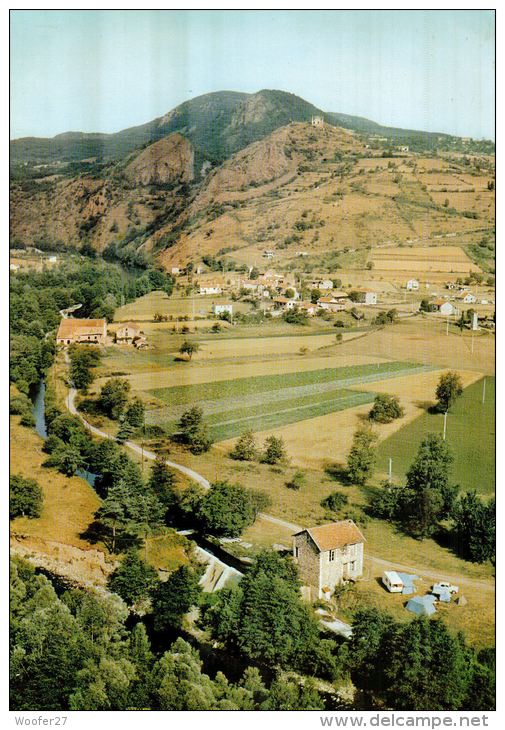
[(259, 403)]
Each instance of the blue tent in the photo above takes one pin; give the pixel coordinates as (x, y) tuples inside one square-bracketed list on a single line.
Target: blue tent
[(408, 583), (422, 605)]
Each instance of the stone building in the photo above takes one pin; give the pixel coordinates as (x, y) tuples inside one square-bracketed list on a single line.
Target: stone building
[(327, 556), (93, 331)]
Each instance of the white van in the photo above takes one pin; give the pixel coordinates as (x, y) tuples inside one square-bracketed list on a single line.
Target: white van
[(392, 581)]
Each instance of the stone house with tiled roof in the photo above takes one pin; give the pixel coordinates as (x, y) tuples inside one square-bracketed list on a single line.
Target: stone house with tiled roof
[(327, 556), (70, 331)]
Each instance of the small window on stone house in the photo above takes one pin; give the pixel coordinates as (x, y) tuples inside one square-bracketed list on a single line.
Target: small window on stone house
[(331, 557)]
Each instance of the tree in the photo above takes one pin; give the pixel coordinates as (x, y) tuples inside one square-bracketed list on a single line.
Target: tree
[(361, 458), (430, 495), (133, 580), (241, 617), (135, 413), (448, 390), (174, 597), (103, 685), (475, 528), (227, 509), (275, 451), (289, 293), (25, 497), (189, 348), (162, 481), (288, 695), (245, 448), (193, 430), (114, 397), (125, 430), (179, 683), (315, 295), (386, 408)]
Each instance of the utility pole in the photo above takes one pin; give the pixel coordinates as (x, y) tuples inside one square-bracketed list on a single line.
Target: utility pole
[(390, 469), (484, 391), (472, 342), (445, 423), (447, 328)]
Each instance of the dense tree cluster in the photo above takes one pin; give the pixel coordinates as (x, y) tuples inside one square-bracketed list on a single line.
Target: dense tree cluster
[(418, 665), (386, 408), (83, 359), (25, 497), (193, 431), (36, 299), (75, 652)]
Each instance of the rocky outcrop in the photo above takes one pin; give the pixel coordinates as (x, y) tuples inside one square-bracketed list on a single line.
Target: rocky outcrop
[(169, 160), (85, 568)]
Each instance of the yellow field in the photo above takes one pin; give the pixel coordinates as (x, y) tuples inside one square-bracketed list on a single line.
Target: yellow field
[(186, 373), (423, 259), (145, 307), (69, 503)]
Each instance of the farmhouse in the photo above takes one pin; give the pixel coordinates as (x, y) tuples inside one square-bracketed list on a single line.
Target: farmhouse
[(366, 296), (328, 555), (284, 303), (443, 307), (330, 304), (412, 285), (82, 330), (210, 287), (308, 307), (127, 332), (466, 297)]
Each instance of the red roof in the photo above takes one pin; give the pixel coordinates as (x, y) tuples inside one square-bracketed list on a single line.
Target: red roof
[(334, 535)]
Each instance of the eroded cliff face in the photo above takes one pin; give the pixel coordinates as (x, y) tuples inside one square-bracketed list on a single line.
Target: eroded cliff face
[(169, 160), (85, 568)]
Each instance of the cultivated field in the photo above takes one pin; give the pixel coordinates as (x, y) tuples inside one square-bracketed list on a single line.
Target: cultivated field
[(413, 260)]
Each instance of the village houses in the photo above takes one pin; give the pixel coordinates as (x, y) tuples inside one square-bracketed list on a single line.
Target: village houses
[(327, 556), (443, 307), (366, 296), (127, 332), (72, 330)]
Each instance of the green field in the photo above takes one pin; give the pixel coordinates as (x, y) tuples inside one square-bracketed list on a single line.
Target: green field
[(240, 388), (228, 424), (264, 402), (470, 435)]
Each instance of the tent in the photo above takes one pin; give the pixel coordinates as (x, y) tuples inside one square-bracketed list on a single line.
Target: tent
[(443, 594), (408, 583), (422, 605)]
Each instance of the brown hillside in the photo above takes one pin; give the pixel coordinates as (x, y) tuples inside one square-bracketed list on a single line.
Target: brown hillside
[(169, 160)]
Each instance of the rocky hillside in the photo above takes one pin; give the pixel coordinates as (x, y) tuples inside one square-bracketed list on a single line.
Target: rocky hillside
[(169, 160), (308, 193)]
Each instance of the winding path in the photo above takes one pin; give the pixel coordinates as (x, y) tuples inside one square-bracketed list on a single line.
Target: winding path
[(195, 476)]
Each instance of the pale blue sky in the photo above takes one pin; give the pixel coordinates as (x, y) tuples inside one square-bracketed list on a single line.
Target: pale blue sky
[(103, 71)]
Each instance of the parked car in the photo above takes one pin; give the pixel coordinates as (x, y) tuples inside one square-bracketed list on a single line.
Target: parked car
[(447, 586)]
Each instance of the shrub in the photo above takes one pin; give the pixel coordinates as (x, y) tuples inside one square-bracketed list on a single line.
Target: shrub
[(334, 501), (386, 408), (297, 481)]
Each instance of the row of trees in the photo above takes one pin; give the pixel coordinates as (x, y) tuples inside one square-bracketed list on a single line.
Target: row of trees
[(246, 449)]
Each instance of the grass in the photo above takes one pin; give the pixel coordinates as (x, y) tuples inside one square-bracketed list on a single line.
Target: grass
[(248, 386), (228, 424), (69, 502), (470, 436)]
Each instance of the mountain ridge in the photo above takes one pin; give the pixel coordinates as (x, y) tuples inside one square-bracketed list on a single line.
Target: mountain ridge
[(218, 124)]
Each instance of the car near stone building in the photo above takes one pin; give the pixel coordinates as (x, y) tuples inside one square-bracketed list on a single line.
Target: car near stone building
[(327, 556)]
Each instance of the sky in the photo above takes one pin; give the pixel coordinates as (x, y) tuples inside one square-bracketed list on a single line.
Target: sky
[(103, 71)]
